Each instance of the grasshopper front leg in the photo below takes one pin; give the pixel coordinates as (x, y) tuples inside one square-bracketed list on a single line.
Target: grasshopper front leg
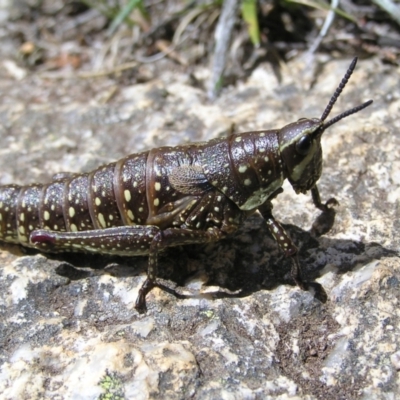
[(326, 219), (318, 203)]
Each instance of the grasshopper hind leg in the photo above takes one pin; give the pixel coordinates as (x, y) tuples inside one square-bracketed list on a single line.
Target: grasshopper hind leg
[(125, 241), (169, 238)]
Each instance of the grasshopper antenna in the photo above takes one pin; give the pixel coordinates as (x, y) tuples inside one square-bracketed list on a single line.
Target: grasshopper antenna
[(339, 89), (346, 114), (336, 95)]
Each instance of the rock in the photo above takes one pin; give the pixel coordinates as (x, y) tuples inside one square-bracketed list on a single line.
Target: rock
[(70, 333)]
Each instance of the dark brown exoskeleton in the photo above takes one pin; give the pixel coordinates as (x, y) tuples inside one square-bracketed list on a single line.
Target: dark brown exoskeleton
[(170, 196)]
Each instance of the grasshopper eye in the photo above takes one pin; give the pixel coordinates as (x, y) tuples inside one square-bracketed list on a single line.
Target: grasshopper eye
[(303, 146)]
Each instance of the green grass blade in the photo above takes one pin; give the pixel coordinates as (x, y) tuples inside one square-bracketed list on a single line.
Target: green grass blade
[(249, 13), (123, 14)]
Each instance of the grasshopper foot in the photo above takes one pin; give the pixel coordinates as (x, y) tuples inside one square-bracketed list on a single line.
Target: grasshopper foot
[(140, 304), (324, 222)]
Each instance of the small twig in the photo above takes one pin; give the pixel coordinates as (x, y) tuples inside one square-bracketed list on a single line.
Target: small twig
[(123, 67), (190, 16), (325, 27), (117, 69), (169, 51)]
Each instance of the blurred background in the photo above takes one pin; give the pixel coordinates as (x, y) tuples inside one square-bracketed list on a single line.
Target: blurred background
[(215, 42)]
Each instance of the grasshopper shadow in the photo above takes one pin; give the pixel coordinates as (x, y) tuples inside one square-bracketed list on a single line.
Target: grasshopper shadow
[(244, 263), (240, 265)]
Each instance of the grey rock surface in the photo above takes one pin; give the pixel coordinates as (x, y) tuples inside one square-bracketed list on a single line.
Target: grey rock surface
[(68, 326)]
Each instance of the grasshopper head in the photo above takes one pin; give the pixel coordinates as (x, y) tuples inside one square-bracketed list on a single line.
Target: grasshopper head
[(301, 152), (300, 142)]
